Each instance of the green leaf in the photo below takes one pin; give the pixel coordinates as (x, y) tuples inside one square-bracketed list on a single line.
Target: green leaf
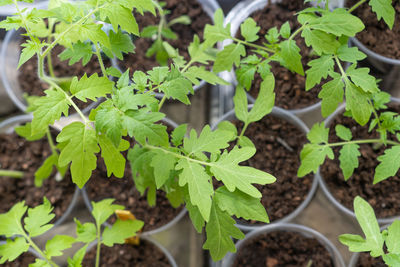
[(338, 23), (319, 68), (343, 132), (158, 74), (57, 244), (109, 121), (357, 101), (199, 185), (285, 30), (120, 231), (195, 216), (320, 41), (162, 164), (389, 164), (229, 127), (228, 57), (355, 242), (208, 141), (142, 5), (45, 170), (37, 221), (350, 54), (142, 126), (12, 249), (367, 220), (249, 30), (199, 52), (143, 173), (265, 100), (220, 229), (80, 149), (86, 232), (391, 259), (178, 134), (91, 88), (120, 43), (245, 75), (10, 222), (125, 99), (195, 74), (318, 134), (240, 204), (93, 32), (362, 79), (78, 51), (312, 156), (331, 95), (228, 170), (290, 54), (49, 109), (76, 261), (29, 50), (103, 209), (385, 10), (349, 159), (241, 104), (392, 240), (217, 32), (120, 16), (178, 89), (114, 160), (25, 131)]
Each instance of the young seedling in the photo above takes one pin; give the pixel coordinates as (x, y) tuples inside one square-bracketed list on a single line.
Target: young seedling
[(21, 224), (163, 30), (379, 243)]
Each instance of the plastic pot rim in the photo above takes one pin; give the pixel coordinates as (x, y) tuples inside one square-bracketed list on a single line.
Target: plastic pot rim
[(299, 124), (10, 124), (163, 228), (324, 186), (289, 227)]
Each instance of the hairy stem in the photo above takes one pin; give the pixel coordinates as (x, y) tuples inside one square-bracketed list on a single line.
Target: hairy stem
[(366, 141), (13, 174), (51, 142), (253, 45), (98, 246), (162, 102), (98, 54), (296, 32), (35, 247), (243, 130), (356, 5)]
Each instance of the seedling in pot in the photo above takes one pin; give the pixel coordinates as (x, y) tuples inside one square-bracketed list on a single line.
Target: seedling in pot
[(379, 243), (36, 222), (163, 30)]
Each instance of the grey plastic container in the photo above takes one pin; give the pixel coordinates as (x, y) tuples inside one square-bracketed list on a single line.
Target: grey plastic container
[(8, 126), (209, 6), (305, 231), (324, 187), (289, 117), (163, 228)]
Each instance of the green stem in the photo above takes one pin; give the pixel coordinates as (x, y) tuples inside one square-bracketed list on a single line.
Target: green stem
[(243, 130), (326, 8), (51, 142), (13, 174), (253, 45), (356, 5), (177, 155), (375, 113), (366, 141), (98, 246), (98, 54), (296, 32), (162, 102), (344, 75), (35, 247)]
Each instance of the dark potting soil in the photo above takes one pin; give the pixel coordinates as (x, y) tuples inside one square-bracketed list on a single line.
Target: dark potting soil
[(289, 86), (21, 155), (191, 8), (365, 260), (144, 255), (382, 196), (283, 249), (377, 36), (124, 192), (22, 261), (31, 84), (271, 136)]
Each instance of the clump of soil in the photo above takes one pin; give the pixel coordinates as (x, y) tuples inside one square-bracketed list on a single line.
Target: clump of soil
[(191, 8), (33, 86), (144, 255), (289, 87), (21, 155), (283, 249), (278, 146), (377, 36), (383, 196), (23, 260), (365, 260)]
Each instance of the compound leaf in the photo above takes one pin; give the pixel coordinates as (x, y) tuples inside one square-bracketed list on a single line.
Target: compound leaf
[(389, 164)]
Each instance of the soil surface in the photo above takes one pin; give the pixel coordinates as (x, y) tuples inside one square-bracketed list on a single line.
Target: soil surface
[(377, 36), (365, 260), (125, 193), (31, 84), (18, 154), (270, 137), (144, 255), (383, 196), (283, 249), (289, 87), (22, 261), (191, 8)]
